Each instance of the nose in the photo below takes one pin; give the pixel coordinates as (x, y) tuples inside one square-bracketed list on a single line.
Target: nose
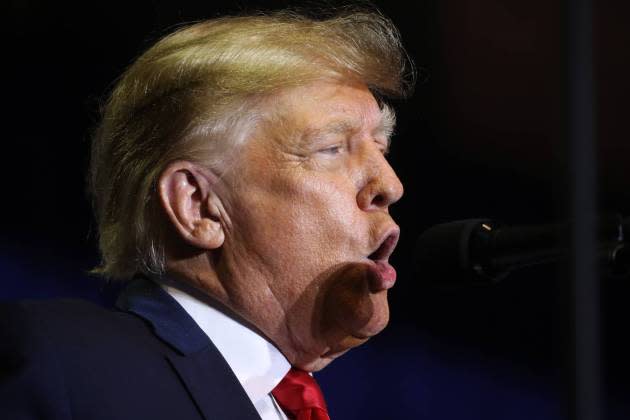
[(381, 188)]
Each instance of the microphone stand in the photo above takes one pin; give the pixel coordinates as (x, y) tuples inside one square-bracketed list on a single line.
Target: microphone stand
[(584, 345)]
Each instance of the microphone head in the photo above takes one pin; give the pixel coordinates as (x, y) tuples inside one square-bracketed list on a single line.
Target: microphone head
[(443, 254), (481, 252)]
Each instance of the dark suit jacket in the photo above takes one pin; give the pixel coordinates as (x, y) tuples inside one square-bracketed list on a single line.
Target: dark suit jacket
[(145, 359)]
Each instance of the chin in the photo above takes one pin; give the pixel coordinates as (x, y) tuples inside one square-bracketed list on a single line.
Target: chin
[(351, 314), (341, 345), (377, 323), (363, 319)]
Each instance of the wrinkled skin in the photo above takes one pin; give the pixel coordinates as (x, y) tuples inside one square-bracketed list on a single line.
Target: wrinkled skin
[(306, 202)]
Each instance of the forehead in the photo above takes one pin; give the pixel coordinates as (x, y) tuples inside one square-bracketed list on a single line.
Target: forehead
[(326, 107)]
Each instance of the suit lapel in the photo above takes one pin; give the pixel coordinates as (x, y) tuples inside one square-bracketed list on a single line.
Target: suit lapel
[(211, 383), (226, 399)]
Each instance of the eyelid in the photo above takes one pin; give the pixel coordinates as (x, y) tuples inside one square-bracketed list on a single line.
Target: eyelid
[(383, 146), (328, 149)]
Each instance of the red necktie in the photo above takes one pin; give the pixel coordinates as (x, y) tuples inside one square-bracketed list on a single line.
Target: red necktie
[(300, 397)]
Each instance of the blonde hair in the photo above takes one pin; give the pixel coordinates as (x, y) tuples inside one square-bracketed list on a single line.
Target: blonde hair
[(194, 94)]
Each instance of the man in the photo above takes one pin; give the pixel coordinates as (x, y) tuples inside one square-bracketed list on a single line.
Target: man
[(241, 189)]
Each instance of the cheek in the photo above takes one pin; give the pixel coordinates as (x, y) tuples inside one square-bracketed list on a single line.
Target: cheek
[(322, 215), (309, 219)]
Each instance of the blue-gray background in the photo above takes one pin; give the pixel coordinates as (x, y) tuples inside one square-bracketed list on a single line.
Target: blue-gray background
[(483, 136)]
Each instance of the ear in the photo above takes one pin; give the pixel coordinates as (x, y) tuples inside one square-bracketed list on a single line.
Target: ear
[(187, 196)]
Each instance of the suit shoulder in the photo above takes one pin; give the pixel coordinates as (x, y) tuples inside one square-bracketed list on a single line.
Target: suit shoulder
[(66, 309), (31, 376), (62, 323), (55, 355)]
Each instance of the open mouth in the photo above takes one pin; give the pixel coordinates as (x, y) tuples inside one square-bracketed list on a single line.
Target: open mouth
[(387, 246), (384, 274)]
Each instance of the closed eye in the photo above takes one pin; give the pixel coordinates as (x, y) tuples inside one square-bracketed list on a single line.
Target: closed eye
[(332, 150), (384, 148)]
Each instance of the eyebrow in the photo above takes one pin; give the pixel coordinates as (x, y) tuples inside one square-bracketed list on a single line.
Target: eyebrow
[(384, 128), (387, 124)]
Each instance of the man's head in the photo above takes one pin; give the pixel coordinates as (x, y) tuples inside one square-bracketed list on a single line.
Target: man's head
[(245, 156)]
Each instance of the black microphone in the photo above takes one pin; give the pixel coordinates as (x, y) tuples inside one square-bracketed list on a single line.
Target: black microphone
[(481, 251)]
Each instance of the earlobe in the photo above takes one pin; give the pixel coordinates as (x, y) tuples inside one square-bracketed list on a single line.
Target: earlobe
[(208, 234), (188, 198)]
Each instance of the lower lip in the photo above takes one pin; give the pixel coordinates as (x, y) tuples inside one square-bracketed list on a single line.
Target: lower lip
[(385, 275)]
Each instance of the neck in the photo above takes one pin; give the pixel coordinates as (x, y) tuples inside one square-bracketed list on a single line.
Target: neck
[(243, 293)]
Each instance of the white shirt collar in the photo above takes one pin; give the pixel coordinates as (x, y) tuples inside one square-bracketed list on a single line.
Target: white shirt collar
[(258, 364)]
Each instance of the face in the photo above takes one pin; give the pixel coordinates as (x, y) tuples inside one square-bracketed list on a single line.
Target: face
[(309, 229)]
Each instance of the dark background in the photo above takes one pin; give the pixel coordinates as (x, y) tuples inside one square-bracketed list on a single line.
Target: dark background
[(483, 136)]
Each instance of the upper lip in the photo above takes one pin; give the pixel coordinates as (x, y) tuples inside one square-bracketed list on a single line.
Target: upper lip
[(386, 245)]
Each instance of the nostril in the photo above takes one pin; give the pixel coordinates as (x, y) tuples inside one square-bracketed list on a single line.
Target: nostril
[(379, 194), (379, 200)]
